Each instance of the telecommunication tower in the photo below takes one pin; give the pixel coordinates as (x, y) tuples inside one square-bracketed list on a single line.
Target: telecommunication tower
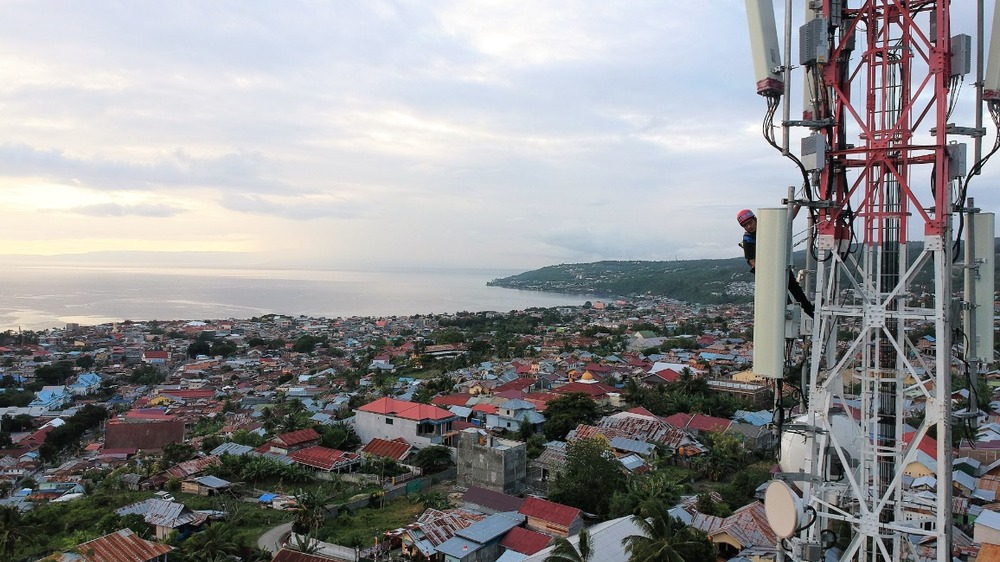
[(885, 181)]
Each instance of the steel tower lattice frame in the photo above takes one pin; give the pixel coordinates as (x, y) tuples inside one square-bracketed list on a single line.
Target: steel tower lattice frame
[(878, 190)]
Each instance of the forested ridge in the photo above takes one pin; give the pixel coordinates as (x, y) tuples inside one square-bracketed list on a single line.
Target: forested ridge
[(697, 281)]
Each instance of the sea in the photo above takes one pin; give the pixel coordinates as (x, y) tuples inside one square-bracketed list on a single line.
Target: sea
[(42, 297)]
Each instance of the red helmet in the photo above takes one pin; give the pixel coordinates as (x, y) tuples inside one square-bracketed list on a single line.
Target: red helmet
[(744, 216)]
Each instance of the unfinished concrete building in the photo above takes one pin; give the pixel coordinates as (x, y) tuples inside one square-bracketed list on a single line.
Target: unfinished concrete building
[(490, 462)]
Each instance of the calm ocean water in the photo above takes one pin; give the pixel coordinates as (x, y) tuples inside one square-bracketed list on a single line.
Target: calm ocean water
[(35, 298)]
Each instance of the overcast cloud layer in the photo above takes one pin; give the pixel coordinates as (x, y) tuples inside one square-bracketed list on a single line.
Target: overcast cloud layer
[(504, 133)]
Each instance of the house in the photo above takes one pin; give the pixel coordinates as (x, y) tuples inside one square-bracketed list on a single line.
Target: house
[(697, 424), (116, 547), (550, 518), (490, 502), (292, 441), (420, 425), (746, 528), (156, 358), (605, 539), (987, 527), (165, 516), (205, 485), (433, 528), (326, 459), (147, 436), (86, 384), (396, 449), (481, 540), (524, 541), (51, 398), (512, 413)]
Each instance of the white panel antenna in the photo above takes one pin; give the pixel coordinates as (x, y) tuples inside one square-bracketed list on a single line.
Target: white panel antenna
[(764, 48), (770, 293), (991, 82)]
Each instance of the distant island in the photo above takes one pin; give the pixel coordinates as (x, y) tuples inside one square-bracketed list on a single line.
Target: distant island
[(698, 281)]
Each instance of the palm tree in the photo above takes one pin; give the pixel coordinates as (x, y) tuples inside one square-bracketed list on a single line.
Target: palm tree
[(212, 544), (305, 544), (665, 539), (564, 551), (12, 531), (310, 511)]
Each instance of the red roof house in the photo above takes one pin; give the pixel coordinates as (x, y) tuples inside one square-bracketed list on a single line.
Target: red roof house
[(554, 519), (420, 425), (293, 440), (396, 449), (524, 541), (147, 436), (326, 459)]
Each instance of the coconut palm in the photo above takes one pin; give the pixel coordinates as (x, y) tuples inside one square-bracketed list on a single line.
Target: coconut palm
[(564, 551), (212, 544), (310, 511), (13, 531), (665, 539)]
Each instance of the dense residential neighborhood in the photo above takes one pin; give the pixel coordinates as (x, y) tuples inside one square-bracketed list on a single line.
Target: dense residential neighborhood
[(464, 437)]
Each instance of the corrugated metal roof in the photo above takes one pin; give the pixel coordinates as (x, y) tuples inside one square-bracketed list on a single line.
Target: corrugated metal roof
[(458, 547), (121, 546), (632, 445), (212, 481), (525, 541), (439, 526), (297, 437), (491, 527), (162, 513), (606, 541), (324, 458), (234, 449), (549, 511), (396, 449), (489, 499)]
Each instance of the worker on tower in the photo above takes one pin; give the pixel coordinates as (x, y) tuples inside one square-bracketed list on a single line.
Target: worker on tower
[(748, 221)]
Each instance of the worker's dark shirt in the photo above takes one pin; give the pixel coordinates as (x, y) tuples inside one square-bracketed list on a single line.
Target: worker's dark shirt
[(749, 245)]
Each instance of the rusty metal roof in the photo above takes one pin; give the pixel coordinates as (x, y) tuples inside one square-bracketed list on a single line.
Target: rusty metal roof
[(121, 546), (439, 526)]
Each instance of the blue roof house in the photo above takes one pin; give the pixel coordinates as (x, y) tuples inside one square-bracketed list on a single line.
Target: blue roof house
[(87, 383), (51, 398)]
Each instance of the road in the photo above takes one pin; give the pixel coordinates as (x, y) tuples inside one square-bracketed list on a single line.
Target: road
[(271, 540)]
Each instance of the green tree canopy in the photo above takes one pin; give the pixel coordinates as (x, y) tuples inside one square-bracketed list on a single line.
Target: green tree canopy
[(664, 538), (433, 459), (338, 436), (54, 374), (563, 414), (590, 477)]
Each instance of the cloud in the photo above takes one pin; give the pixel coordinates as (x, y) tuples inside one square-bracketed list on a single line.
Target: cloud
[(243, 171), (116, 210), (483, 132), (296, 209)]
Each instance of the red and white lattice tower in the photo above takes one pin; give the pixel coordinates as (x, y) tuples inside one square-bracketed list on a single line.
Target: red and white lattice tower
[(883, 185)]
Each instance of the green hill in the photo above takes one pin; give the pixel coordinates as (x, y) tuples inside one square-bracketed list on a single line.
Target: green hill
[(699, 281), (705, 281)]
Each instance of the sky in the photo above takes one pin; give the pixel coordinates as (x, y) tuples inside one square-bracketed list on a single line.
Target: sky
[(341, 134)]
